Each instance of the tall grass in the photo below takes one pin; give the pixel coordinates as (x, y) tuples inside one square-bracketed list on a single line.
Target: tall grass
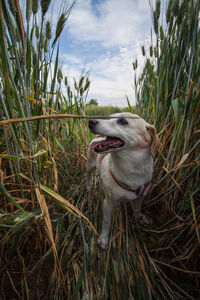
[(168, 95), (93, 110), (32, 84), (48, 219)]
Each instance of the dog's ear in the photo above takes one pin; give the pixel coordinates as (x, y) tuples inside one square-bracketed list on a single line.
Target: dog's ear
[(155, 141)]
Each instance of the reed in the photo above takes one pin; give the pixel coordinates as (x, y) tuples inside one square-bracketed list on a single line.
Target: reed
[(29, 153), (168, 95)]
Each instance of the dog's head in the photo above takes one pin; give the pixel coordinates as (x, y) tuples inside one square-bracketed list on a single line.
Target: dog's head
[(123, 130)]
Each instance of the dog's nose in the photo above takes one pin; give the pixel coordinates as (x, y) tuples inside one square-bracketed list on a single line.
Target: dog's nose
[(92, 123)]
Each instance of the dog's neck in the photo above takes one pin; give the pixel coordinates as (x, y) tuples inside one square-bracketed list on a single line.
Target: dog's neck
[(131, 165)]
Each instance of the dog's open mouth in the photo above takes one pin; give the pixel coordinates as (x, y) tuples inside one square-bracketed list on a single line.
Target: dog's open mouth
[(106, 143)]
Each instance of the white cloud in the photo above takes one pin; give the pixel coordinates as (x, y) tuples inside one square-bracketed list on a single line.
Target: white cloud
[(109, 36), (114, 23), (111, 75)]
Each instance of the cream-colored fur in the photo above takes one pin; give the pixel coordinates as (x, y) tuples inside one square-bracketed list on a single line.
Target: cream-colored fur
[(131, 164)]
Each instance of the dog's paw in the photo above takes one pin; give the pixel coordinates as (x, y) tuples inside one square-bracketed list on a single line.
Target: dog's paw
[(142, 219), (102, 242)]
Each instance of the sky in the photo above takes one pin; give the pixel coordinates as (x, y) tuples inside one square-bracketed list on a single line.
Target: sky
[(102, 38)]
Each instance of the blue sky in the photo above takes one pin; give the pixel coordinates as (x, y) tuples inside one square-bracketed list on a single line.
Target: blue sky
[(104, 37)]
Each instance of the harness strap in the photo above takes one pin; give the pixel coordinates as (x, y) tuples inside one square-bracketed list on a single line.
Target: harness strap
[(140, 190)]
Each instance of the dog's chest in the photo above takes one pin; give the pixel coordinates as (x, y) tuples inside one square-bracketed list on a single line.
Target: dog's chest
[(111, 188), (125, 187)]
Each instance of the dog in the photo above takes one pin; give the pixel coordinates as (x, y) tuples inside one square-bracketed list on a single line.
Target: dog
[(122, 152)]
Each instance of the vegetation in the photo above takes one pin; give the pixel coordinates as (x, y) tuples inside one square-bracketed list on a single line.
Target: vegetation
[(95, 110), (48, 219), (93, 102)]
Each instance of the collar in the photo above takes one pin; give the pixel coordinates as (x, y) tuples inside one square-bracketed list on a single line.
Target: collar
[(140, 190)]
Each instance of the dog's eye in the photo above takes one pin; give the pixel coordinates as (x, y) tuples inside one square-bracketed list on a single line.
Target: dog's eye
[(122, 122)]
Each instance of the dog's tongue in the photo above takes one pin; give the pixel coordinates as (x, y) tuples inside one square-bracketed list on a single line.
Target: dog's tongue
[(95, 144)]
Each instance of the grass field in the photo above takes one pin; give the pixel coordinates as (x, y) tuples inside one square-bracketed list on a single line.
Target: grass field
[(49, 222), (95, 110)]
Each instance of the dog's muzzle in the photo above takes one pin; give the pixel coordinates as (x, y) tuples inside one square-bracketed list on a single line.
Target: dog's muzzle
[(92, 125)]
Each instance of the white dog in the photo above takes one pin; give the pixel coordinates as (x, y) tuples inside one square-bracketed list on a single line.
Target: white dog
[(123, 153)]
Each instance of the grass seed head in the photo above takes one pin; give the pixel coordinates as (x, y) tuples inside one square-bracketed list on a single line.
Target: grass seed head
[(175, 8), (168, 12), (135, 65), (60, 26), (171, 25), (87, 85), (182, 11), (155, 52), (34, 55), (81, 82), (156, 16), (28, 10), (48, 30), (143, 51), (157, 10), (40, 53), (59, 76), (151, 51), (42, 41), (46, 46), (45, 6), (13, 7), (34, 6), (155, 23), (37, 32), (66, 83), (162, 35)]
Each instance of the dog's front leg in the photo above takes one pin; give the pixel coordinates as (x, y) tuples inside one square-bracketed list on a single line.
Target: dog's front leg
[(136, 205), (107, 217), (91, 165), (88, 175)]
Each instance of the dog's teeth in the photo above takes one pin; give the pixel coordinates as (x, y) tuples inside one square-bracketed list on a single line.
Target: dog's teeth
[(116, 143)]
